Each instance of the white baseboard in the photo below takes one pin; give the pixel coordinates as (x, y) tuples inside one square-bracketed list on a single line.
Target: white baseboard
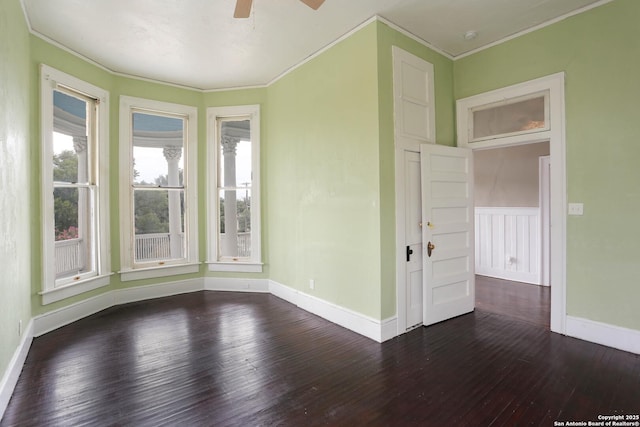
[(603, 333), (389, 328), (12, 373), (514, 276), (141, 293), (283, 292), (371, 328), (236, 284), (55, 319)]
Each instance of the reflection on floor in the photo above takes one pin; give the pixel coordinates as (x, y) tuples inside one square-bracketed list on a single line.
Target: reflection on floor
[(523, 301)]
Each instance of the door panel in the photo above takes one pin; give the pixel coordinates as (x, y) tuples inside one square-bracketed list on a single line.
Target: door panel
[(414, 94), (447, 210)]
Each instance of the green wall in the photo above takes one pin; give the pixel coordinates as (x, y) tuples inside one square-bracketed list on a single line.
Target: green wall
[(15, 208), (330, 169), (328, 200), (600, 53), (322, 176)]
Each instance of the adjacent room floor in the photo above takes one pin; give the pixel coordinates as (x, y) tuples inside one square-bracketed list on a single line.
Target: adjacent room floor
[(522, 301), (240, 359)]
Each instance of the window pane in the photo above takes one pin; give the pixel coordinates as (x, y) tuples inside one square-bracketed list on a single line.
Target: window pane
[(65, 207), (158, 156), (519, 116), (69, 138), (235, 154), (159, 224), (73, 231), (235, 223)]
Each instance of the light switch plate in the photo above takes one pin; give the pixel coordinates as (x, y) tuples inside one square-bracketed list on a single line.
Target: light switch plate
[(576, 208)]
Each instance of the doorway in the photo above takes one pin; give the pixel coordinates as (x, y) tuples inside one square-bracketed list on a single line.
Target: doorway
[(510, 199), (552, 89)]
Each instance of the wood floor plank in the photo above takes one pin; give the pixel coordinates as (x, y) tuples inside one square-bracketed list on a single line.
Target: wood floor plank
[(235, 359)]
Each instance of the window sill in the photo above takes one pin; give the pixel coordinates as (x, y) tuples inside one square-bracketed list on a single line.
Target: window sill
[(154, 272), (76, 288), (241, 267)]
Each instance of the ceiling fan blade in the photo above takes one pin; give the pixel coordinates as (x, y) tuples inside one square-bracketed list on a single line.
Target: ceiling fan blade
[(313, 4), (243, 9)]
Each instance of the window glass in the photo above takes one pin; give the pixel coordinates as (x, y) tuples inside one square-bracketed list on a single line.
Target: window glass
[(158, 187), (73, 185), (158, 142), (513, 117), (233, 196), (235, 223), (234, 188)]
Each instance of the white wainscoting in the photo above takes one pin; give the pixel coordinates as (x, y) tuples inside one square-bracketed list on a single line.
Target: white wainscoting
[(508, 243)]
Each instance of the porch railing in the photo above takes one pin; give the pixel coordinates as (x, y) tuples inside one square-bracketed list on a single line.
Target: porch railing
[(153, 246), (69, 257), (244, 243)]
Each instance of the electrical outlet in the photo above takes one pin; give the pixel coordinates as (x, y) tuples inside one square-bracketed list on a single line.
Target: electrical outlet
[(576, 209), (312, 284)]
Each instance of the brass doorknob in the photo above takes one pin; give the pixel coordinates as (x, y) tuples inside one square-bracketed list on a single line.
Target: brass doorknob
[(430, 248)]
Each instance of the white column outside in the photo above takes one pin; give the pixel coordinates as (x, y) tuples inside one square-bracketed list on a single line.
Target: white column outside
[(173, 155)]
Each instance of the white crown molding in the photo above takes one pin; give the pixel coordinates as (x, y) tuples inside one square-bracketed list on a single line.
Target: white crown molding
[(322, 50), (414, 37), (318, 52), (534, 28)]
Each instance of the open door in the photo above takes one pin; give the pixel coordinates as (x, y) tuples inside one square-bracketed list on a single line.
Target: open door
[(447, 232)]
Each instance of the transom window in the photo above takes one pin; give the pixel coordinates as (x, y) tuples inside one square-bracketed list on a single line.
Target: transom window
[(511, 117)]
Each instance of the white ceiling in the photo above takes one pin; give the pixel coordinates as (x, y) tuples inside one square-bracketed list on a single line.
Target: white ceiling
[(198, 43)]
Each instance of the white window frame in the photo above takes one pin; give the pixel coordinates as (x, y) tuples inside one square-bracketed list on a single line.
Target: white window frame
[(215, 262), (504, 96), (130, 270), (55, 290)]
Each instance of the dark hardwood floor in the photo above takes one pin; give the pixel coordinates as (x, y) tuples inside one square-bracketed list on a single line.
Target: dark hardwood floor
[(235, 359), (529, 303)]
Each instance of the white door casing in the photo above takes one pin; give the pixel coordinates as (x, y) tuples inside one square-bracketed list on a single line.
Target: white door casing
[(555, 134), (414, 124), (413, 238), (545, 215), (448, 221)]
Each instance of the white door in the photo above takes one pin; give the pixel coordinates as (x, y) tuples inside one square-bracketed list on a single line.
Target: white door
[(414, 124), (413, 239), (447, 232)]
